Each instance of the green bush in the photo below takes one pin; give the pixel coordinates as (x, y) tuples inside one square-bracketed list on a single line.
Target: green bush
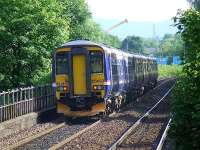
[(185, 104), (185, 108)]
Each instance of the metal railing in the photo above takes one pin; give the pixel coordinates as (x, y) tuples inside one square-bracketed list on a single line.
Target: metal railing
[(18, 102)]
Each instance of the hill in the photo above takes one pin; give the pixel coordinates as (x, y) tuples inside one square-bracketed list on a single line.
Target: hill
[(143, 29)]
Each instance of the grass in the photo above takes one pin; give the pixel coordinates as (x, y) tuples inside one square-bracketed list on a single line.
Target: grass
[(169, 71)]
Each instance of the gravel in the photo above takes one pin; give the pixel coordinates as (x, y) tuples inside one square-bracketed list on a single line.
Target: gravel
[(22, 134), (110, 129), (149, 132), (46, 141)]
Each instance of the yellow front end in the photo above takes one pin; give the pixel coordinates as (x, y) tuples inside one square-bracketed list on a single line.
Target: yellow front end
[(77, 86)]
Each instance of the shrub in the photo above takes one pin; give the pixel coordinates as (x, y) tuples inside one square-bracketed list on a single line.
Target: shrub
[(185, 108), (185, 104)]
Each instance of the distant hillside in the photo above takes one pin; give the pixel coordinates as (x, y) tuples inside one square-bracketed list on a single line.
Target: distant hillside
[(143, 29)]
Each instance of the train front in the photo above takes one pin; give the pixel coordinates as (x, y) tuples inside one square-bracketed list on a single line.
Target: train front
[(80, 78)]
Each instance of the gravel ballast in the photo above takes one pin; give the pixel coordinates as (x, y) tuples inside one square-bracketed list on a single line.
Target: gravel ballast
[(109, 130), (46, 141), (149, 132), (23, 134)]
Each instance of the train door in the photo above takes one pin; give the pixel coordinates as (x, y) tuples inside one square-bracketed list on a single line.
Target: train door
[(79, 74)]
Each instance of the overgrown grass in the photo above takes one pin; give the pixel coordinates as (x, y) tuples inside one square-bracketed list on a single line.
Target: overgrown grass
[(169, 71)]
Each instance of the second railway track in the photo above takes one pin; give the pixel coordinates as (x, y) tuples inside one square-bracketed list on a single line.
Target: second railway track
[(140, 133)]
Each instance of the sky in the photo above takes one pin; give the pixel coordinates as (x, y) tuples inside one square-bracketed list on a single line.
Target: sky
[(136, 10)]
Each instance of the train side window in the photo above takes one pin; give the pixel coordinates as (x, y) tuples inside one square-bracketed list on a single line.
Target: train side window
[(96, 62), (131, 69), (114, 66), (119, 65), (61, 63)]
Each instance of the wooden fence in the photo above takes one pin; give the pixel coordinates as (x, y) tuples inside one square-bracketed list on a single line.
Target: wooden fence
[(22, 101)]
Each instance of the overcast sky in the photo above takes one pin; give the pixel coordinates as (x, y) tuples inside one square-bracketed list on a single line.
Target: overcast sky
[(136, 10)]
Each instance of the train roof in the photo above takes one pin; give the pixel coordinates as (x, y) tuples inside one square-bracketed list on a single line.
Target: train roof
[(80, 42), (108, 49)]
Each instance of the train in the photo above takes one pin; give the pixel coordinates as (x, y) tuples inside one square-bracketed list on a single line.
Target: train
[(95, 79)]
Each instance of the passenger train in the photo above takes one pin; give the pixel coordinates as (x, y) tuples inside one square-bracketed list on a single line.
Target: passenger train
[(92, 79)]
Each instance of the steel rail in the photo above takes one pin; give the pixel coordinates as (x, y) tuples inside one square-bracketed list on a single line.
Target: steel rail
[(130, 130), (62, 143), (163, 138)]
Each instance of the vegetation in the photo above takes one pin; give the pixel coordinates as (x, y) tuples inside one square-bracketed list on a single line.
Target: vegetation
[(28, 31), (185, 127), (169, 71), (31, 29), (170, 45), (195, 4), (150, 42), (133, 44)]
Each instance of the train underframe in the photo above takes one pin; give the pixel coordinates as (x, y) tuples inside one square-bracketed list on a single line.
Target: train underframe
[(90, 106)]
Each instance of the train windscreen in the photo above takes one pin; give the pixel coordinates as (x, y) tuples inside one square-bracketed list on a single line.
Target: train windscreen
[(61, 63), (96, 62)]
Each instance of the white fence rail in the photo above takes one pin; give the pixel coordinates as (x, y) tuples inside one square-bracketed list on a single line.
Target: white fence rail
[(22, 101)]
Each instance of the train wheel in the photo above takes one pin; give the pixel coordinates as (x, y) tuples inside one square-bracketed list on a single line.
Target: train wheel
[(124, 99), (118, 103), (108, 108)]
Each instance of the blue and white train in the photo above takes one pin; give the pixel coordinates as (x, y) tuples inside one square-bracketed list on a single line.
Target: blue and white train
[(93, 78)]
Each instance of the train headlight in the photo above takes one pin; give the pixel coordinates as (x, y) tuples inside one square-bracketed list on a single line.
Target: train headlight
[(98, 87), (65, 88), (62, 88), (95, 87)]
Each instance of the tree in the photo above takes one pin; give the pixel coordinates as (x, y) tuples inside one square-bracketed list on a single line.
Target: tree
[(195, 4), (185, 105), (29, 30), (150, 43), (170, 45), (78, 12), (83, 27), (133, 44)]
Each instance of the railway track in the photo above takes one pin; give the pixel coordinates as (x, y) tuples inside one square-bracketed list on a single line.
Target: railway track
[(163, 138), (130, 141), (51, 136), (44, 126), (102, 135), (57, 136), (33, 137)]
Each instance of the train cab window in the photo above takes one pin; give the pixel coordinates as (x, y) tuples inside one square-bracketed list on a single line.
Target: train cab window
[(61, 63), (96, 62)]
